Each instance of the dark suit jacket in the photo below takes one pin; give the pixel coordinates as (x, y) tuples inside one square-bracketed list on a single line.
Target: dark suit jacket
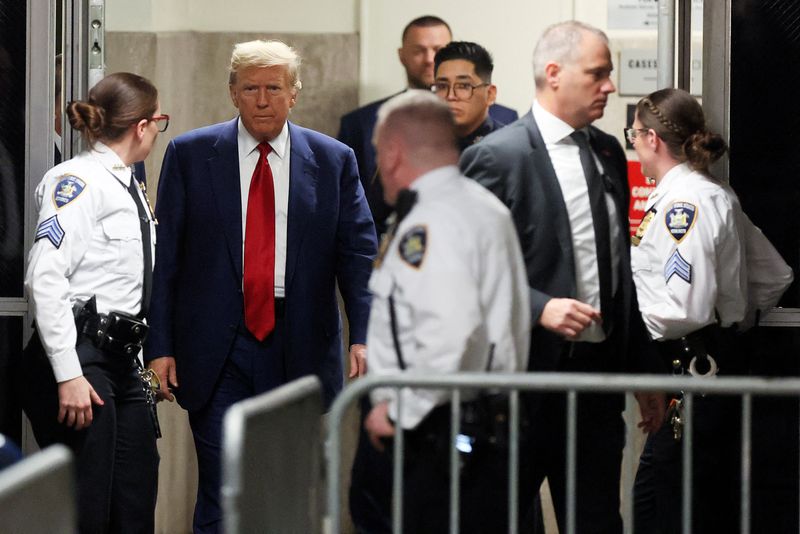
[(197, 302), (356, 129), (514, 164)]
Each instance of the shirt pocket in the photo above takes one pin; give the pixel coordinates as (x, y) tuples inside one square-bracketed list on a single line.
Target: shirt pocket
[(124, 241), (640, 262)]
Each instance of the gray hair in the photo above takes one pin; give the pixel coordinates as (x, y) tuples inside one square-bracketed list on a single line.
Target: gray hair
[(423, 120), (260, 53), (560, 43)]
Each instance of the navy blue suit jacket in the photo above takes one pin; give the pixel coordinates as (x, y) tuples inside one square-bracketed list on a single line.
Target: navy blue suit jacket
[(356, 129), (197, 302)]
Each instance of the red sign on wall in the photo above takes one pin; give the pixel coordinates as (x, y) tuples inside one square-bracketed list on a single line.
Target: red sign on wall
[(640, 190)]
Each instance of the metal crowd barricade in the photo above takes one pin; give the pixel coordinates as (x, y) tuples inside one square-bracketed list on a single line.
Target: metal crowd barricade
[(572, 384), (272, 449), (38, 495)]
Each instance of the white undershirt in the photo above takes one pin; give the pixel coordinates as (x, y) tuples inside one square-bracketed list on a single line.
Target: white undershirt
[(278, 159), (565, 157)]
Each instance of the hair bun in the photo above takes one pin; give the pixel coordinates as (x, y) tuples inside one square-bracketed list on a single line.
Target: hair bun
[(704, 148), (86, 117)]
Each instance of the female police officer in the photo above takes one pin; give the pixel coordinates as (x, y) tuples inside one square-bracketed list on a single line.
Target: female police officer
[(88, 281), (701, 268)]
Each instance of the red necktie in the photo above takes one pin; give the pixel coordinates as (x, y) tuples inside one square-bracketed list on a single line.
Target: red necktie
[(259, 250)]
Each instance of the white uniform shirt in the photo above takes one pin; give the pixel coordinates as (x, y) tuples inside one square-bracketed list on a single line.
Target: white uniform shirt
[(768, 275), (279, 162), (88, 243), (564, 154), (457, 278), (690, 264)]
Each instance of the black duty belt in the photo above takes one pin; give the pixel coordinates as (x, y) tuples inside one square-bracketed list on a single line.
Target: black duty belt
[(679, 353), (114, 332)]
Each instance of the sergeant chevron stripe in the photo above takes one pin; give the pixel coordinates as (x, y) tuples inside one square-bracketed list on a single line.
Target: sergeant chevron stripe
[(677, 265), (50, 229)]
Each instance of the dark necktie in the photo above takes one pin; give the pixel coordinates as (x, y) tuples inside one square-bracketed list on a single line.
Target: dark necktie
[(597, 202), (144, 226), (259, 250)]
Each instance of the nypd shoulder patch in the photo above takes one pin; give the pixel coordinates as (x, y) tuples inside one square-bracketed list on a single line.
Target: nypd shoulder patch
[(678, 266), (680, 219), (412, 245), (50, 229), (68, 189)]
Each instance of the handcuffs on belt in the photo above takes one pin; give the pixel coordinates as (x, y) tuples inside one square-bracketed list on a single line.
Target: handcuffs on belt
[(690, 347)]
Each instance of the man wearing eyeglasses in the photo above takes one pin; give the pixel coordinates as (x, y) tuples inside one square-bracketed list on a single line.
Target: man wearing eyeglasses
[(463, 79), (422, 38)]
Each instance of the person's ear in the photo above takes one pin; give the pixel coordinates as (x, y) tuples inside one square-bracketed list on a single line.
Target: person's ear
[(552, 74), (234, 96), (491, 94), (141, 127)]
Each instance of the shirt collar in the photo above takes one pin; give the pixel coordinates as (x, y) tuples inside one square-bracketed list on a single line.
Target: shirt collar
[(249, 143), (432, 178), (675, 173), (112, 162), (553, 129)]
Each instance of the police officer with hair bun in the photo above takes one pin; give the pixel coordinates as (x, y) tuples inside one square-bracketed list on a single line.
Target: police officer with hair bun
[(88, 280), (702, 271)]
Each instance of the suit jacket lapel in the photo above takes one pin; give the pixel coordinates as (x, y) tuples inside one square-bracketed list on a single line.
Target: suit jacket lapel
[(554, 198), (303, 177), (223, 174)]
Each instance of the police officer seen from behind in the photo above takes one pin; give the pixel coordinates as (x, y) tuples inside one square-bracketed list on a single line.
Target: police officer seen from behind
[(448, 295), (702, 271), (88, 281), (463, 78)]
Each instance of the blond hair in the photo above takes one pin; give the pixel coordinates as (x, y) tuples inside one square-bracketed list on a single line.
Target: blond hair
[(261, 53)]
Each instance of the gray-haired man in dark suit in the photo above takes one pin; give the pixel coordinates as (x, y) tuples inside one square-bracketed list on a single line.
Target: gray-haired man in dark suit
[(565, 183)]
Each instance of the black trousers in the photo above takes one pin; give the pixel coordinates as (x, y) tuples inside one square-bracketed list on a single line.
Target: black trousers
[(426, 482), (716, 467), (600, 440), (116, 456), (370, 483)]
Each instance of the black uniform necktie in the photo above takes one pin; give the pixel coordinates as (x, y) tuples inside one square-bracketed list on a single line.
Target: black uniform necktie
[(597, 202), (144, 226)]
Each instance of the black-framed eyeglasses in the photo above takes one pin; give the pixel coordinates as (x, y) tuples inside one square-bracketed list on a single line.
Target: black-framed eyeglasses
[(630, 133), (461, 90), (162, 121)]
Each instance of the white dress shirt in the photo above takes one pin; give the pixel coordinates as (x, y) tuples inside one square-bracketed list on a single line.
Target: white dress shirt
[(455, 273), (690, 266), (88, 243), (565, 157), (279, 161)]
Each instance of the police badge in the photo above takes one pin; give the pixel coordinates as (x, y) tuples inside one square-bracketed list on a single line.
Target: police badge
[(680, 219), (68, 189), (412, 245)]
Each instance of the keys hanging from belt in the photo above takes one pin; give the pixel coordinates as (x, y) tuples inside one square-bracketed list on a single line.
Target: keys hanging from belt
[(675, 416), (150, 385)]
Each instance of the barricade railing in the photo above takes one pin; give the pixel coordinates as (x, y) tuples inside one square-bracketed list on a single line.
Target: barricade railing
[(272, 453), (572, 384), (38, 495)]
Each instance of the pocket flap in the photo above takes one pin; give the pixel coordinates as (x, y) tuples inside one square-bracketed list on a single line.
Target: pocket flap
[(117, 229)]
